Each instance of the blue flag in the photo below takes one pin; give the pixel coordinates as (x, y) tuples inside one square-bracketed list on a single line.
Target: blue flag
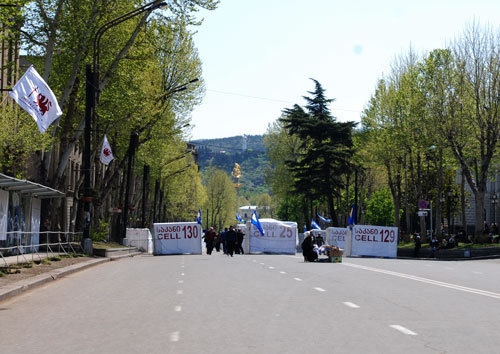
[(352, 216), (315, 225), (198, 218), (256, 222), (238, 217), (323, 219)]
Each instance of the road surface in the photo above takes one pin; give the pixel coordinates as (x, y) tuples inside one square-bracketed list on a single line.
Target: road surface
[(260, 304)]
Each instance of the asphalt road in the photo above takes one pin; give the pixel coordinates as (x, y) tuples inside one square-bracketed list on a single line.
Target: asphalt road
[(260, 304)]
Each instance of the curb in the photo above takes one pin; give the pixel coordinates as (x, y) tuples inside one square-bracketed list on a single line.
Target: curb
[(114, 258), (28, 284)]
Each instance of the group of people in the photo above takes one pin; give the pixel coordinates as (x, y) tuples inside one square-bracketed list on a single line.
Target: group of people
[(446, 243), (230, 239)]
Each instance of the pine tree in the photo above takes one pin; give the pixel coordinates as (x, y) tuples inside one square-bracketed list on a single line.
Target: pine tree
[(326, 148)]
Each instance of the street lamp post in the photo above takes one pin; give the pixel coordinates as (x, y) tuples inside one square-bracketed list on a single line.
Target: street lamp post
[(448, 201), (92, 83), (494, 201)]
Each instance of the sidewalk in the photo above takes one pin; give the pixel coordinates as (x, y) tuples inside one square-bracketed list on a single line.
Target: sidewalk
[(18, 287)]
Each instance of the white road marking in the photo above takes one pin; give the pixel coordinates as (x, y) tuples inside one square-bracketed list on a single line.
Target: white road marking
[(178, 309), (477, 272), (261, 263), (298, 279), (271, 267), (181, 281), (282, 272), (174, 336), (403, 330), (428, 281), (351, 305), (182, 274), (179, 292), (320, 289), (253, 260)]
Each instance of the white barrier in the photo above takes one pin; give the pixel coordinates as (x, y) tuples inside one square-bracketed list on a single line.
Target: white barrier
[(177, 238), (140, 238), (279, 237), (378, 241), (336, 236)]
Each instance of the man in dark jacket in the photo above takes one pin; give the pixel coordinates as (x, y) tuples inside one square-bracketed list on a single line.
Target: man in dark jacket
[(239, 242), (209, 238), (231, 239)]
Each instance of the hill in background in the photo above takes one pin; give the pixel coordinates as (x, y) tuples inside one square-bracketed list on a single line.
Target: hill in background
[(248, 151)]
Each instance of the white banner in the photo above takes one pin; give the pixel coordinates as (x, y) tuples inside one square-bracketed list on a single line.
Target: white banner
[(336, 236), (177, 238), (33, 94), (279, 237), (378, 241), (4, 212)]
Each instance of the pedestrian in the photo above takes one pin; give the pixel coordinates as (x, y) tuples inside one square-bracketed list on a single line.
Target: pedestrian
[(209, 238), (223, 240), (434, 244), (231, 238), (239, 241), (217, 242), (418, 244)]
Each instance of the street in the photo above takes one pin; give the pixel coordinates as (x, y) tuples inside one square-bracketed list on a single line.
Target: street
[(260, 304)]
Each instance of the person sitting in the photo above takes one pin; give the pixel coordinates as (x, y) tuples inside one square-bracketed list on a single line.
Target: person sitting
[(308, 249), (451, 241)]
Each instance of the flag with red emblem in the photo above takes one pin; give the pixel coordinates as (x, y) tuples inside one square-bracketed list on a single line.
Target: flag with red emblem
[(106, 153)]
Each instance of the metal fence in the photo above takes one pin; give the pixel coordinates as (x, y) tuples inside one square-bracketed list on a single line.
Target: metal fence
[(25, 245)]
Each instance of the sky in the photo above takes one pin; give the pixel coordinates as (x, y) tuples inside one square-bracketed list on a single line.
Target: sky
[(258, 55)]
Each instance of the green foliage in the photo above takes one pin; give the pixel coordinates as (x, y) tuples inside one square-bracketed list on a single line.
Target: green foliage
[(220, 200), (100, 231), (325, 148), (380, 208)]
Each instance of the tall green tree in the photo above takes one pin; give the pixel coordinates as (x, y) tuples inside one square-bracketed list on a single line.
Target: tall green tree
[(325, 150)]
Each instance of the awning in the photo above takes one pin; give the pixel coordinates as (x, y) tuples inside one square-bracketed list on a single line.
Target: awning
[(28, 188)]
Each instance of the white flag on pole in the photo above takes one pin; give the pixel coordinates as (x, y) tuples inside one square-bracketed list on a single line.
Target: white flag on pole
[(35, 97), (106, 153)]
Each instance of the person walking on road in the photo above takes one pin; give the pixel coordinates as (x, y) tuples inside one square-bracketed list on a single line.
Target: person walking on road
[(231, 238), (209, 238), (239, 242)]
